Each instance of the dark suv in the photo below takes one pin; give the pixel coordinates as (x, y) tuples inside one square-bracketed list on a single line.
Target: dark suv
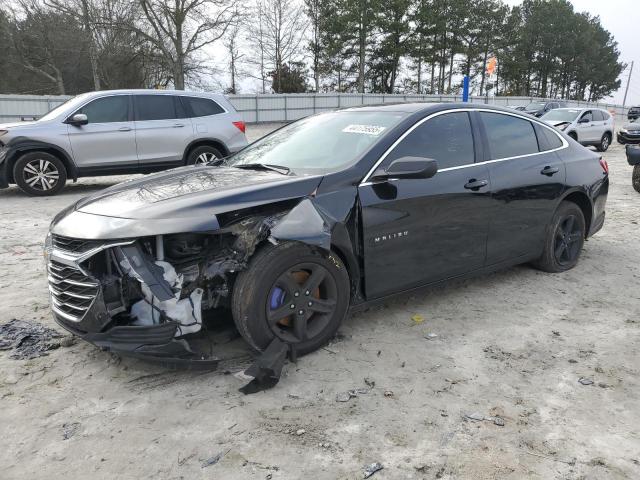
[(633, 113), (537, 109)]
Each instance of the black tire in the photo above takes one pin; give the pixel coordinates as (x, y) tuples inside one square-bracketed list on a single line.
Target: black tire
[(202, 155), (635, 178), (605, 142), (40, 174), (564, 239), (257, 291)]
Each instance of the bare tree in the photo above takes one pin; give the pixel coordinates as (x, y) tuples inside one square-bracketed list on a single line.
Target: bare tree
[(231, 43), (278, 33), (181, 28)]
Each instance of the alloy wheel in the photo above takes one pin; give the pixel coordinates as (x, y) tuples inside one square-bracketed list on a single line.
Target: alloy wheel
[(605, 142), (567, 240), (301, 302), (205, 158), (41, 174)]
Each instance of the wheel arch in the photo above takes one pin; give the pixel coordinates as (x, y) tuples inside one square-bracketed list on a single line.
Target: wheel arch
[(201, 142), (19, 148), (582, 200)]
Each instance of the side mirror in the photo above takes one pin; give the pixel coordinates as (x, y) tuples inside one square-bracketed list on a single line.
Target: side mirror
[(633, 154), (78, 119), (407, 167), (584, 120)]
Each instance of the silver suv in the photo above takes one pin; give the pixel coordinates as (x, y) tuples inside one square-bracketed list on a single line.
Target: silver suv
[(118, 132), (588, 126)]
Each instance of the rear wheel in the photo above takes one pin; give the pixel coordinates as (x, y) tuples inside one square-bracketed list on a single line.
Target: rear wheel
[(605, 141), (564, 239), (203, 155), (40, 174), (291, 291), (635, 178)]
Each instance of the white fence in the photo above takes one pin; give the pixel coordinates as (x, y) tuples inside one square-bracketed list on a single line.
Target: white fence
[(283, 108)]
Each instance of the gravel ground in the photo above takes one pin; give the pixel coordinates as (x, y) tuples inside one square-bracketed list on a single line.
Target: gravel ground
[(494, 395)]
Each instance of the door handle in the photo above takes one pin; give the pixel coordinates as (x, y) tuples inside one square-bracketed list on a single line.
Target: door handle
[(549, 171), (178, 125), (124, 129), (475, 185)]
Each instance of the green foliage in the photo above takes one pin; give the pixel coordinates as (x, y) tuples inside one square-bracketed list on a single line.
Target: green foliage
[(290, 78)]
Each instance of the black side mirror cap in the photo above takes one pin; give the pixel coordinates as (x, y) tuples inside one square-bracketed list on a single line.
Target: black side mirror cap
[(407, 167), (584, 120), (633, 154)]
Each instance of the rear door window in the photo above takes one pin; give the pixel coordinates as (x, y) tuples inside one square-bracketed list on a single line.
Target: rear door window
[(155, 107), (597, 116), (107, 109), (445, 138), (201, 107), (508, 136)]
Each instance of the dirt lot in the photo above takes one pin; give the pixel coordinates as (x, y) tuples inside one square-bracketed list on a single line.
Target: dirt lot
[(512, 345)]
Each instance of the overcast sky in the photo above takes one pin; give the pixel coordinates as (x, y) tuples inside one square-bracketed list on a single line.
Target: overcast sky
[(621, 18)]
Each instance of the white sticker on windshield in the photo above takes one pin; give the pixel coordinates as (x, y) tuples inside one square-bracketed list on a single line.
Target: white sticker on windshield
[(366, 129)]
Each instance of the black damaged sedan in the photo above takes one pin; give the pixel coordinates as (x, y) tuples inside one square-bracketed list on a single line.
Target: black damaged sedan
[(332, 212)]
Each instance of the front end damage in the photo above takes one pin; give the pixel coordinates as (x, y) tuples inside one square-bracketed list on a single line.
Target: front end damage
[(146, 296)]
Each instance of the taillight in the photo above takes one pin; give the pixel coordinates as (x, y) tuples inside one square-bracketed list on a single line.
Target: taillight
[(604, 165), (241, 126)]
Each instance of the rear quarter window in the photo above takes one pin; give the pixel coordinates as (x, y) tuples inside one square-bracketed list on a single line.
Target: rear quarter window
[(547, 139), (508, 136), (202, 107)]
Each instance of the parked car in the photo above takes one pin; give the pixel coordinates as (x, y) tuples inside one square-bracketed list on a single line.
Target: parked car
[(633, 113), (332, 212), (588, 126), (537, 109), (117, 132), (633, 157), (630, 132)]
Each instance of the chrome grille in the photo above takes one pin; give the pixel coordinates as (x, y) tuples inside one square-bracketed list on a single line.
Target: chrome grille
[(72, 292), (76, 245)]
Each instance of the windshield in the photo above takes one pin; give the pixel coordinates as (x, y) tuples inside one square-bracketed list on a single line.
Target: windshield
[(562, 115), (534, 106), (321, 143), (69, 103)]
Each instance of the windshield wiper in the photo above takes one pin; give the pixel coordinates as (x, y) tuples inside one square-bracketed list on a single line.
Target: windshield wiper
[(265, 166)]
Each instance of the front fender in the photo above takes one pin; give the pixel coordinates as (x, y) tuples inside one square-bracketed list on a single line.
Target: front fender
[(21, 145)]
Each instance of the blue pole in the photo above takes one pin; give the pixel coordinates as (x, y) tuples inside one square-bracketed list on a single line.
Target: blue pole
[(465, 89)]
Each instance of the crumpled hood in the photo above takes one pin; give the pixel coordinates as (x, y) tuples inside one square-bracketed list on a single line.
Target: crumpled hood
[(555, 123), (195, 192), (631, 126)]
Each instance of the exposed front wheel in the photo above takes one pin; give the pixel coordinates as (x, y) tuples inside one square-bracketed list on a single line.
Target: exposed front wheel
[(605, 141), (203, 155), (564, 239), (294, 292), (40, 174), (635, 178)]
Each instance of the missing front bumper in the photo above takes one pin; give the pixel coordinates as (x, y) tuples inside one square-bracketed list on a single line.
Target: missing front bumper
[(154, 343)]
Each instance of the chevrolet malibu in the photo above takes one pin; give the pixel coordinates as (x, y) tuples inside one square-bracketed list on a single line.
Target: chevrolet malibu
[(327, 214)]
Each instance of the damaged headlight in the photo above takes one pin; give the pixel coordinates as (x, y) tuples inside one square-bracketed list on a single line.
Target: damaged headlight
[(48, 247)]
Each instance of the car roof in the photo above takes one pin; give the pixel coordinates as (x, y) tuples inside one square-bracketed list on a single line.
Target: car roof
[(149, 91), (427, 107)]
